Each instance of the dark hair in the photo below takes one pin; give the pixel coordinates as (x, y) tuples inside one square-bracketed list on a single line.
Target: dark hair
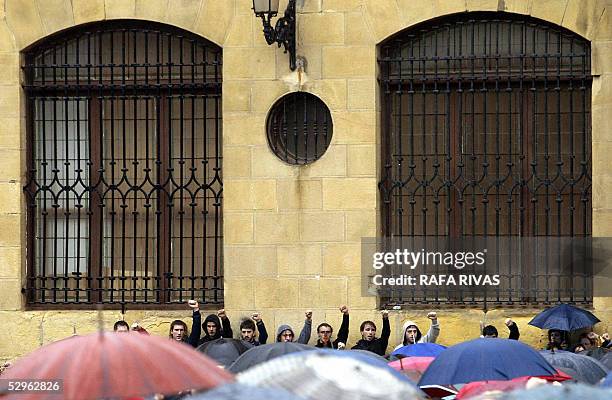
[(489, 330), (324, 324), (175, 323), (247, 324), (120, 323), (586, 336), (364, 323)]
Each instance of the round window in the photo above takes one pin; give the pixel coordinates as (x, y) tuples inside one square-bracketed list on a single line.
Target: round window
[(299, 128)]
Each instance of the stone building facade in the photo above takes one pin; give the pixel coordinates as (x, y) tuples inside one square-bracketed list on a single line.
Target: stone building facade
[(291, 234)]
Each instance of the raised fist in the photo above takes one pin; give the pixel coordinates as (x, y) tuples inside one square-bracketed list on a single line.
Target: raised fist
[(344, 309), (432, 315), (256, 317), (508, 322), (308, 314), (605, 336), (193, 304), (385, 313), (221, 313)]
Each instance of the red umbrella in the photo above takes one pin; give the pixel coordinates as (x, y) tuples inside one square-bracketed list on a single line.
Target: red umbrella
[(476, 388), (412, 367), (116, 365)]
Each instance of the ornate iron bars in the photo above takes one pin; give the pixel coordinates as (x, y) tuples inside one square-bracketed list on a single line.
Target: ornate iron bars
[(124, 162), (486, 132), (299, 128)]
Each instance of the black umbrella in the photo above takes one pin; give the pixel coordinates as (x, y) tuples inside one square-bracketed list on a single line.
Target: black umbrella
[(223, 350), (581, 368), (565, 317), (260, 354)]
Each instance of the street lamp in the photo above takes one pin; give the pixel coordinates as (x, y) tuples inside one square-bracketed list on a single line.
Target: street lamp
[(284, 29)]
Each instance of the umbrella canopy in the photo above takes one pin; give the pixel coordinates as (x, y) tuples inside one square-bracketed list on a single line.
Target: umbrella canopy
[(333, 375), (237, 391), (111, 365), (412, 367), (607, 360), (608, 381), (547, 392), (565, 317), (581, 368), (223, 350), (260, 354), (483, 360), (477, 388), (419, 350), (367, 353)]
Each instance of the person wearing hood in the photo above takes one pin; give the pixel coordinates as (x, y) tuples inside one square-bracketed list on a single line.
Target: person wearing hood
[(369, 341), (285, 333), (325, 330), (215, 327), (412, 333)]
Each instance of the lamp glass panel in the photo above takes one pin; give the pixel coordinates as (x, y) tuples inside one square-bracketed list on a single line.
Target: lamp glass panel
[(263, 6)]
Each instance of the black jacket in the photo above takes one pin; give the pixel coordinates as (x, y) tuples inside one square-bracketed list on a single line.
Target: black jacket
[(224, 330), (514, 331), (341, 337), (378, 345)]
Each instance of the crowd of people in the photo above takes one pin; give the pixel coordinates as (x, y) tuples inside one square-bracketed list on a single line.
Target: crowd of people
[(253, 331)]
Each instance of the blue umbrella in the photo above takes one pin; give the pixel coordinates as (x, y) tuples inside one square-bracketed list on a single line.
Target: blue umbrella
[(580, 367), (419, 350), (485, 360), (608, 381), (564, 317)]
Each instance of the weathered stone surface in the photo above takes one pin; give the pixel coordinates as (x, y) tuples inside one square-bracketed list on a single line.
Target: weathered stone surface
[(362, 61), (153, 10), (237, 162), (384, 17), (349, 193), (322, 226), (549, 10), (87, 11), (243, 194), (321, 29), (332, 163), (213, 21), (299, 194), (10, 197), (24, 22), (276, 228), (251, 261), (55, 14), (10, 262), (120, 8), (183, 13), (299, 260), (238, 228)]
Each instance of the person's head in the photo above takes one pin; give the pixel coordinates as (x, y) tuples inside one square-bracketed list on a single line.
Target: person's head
[(412, 334), (178, 330), (489, 331), (212, 326), (586, 342), (555, 336), (368, 330), (578, 348), (284, 334), (324, 331), (247, 330), (121, 326)]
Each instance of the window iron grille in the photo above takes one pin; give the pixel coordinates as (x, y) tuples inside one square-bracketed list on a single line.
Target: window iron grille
[(487, 132), (124, 180)]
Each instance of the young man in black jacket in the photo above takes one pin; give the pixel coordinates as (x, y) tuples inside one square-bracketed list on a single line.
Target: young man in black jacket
[(369, 341), (325, 330), (249, 327), (215, 326)]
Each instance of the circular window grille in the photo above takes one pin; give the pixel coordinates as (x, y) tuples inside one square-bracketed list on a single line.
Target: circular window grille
[(299, 128)]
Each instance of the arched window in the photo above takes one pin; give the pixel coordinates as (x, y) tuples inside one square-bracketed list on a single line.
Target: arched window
[(124, 166), (487, 132)]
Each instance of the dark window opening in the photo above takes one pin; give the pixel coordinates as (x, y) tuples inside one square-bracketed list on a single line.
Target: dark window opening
[(124, 167), (487, 132)]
